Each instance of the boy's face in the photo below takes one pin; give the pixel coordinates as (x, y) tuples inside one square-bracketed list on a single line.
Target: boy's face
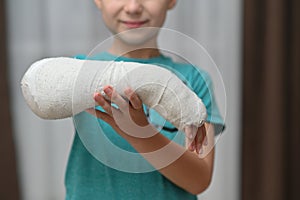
[(124, 15)]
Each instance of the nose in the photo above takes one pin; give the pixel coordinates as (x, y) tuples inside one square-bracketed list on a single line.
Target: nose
[(133, 7)]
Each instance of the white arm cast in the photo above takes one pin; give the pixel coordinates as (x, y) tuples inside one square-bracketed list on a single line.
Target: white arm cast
[(56, 88)]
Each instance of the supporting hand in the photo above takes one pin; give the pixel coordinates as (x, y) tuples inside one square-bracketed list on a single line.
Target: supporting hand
[(130, 118)]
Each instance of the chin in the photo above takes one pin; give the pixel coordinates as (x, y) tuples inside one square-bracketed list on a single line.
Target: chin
[(139, 36)]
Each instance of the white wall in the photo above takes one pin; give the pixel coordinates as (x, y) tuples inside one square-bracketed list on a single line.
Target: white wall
[(44, 28)]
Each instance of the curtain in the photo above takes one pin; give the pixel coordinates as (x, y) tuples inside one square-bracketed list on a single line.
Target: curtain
[(271, 96), (39, 29), (9, 188)]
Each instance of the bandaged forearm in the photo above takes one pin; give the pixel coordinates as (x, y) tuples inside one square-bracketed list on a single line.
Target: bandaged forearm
[(56, 88)]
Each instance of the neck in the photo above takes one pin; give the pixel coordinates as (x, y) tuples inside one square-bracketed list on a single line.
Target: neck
[(145, 51)]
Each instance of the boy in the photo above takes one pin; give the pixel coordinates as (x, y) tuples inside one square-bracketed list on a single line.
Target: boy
[(184, 178)]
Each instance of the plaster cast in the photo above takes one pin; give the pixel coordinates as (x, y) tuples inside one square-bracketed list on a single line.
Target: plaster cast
[(56, 88)]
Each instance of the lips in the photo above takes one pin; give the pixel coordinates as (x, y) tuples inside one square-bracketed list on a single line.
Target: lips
[(134, 24)]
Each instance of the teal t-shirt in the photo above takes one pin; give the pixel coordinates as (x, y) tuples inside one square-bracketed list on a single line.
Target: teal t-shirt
[(104, 166)]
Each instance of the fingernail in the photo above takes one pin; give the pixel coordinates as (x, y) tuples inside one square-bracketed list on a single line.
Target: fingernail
[(201, 151), (108, 91), (98, 97), (205, 142)]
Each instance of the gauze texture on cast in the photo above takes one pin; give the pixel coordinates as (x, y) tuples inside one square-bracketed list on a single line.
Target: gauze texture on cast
[(56, 88)]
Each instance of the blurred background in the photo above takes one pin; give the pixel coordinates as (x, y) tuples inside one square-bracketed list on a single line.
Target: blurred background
[(254, 43)]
